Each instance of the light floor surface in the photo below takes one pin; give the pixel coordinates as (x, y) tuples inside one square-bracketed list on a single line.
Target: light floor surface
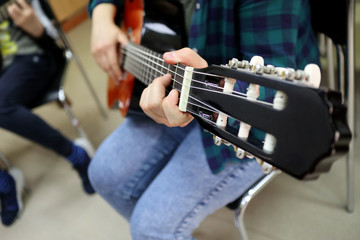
[(57, 209)]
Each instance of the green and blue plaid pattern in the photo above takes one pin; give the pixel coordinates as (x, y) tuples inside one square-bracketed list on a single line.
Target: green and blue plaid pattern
[(278, 30)]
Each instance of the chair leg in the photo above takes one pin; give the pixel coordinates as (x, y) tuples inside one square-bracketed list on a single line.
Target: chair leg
[(330, 64), (71, 54), (239, 221), (245, 200), (351, 106), (74, 121)]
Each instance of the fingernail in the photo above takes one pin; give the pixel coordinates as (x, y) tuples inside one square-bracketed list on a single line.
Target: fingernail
[(169, 55)]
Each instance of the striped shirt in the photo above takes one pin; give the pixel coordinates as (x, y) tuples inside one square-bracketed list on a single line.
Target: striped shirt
[(278, 30)]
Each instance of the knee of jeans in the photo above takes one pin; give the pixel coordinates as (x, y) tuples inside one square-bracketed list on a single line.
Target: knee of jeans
[(150, 225), (100, 176), (143, 227)]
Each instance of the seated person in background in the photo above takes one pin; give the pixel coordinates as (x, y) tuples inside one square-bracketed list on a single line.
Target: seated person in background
[(28, 67), (166, 180)]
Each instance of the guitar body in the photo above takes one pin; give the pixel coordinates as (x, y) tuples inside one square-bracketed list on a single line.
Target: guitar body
[(146, 24)]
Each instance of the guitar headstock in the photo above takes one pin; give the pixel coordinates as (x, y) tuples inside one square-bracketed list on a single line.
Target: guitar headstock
[(278, 115)]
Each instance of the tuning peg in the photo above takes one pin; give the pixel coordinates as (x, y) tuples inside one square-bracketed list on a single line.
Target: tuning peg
[(233, 63), (269, 69), (314, 75), (217, 140), (265, 167), (257, 60), (240, 153), (280, 72)]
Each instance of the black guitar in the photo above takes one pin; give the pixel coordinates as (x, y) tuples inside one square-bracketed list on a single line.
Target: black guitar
[(308, 131)]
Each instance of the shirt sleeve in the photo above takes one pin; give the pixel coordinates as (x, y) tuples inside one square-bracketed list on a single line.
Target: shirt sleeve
[(93, 3)]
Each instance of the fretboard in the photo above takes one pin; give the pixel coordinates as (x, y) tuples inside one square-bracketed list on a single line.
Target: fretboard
[(3, 9), (146, 65)]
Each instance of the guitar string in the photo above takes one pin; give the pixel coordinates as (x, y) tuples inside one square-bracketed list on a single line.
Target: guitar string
[(204, 105), (140, 54), (237, 94), (154, 70), (151, 54), (211, 121), (197, 103)]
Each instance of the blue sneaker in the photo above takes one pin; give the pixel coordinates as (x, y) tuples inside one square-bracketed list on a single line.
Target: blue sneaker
[(11, 202)]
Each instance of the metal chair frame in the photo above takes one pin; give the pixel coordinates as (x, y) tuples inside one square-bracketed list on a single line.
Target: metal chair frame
[(345, 76)]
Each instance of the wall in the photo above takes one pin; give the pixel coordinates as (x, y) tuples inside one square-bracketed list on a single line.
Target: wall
[(70, 12)]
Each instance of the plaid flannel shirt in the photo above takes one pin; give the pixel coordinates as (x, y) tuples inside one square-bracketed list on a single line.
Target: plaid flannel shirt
[(278, 30)]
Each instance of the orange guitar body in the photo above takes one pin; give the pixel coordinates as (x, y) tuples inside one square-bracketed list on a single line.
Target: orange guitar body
[(132, 24)]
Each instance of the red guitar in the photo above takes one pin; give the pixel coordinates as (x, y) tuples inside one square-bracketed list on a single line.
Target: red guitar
[(305, 127)]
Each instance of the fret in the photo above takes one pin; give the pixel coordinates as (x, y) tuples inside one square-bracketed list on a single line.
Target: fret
[(156, 69), (142, 62), (159, 65), (146, 68), (164, 69), (152, 72), (145, 72), (137, 65), (149, 69), (178, 76), (168, 68), (146, 65)]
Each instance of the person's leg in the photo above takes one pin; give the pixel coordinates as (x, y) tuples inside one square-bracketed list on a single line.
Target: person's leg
[(11, 186), (129, 159), (21, 84), (186, 191)]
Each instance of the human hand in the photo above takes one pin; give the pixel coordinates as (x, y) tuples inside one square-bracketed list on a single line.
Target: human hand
[(106, 37), (165, 109), (24, 17)]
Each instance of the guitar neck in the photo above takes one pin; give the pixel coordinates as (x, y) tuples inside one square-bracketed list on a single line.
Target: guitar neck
[(146, 65), (4, 14)]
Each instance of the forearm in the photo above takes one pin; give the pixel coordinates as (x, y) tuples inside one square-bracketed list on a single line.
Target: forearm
[(104, 14), (106, 35)]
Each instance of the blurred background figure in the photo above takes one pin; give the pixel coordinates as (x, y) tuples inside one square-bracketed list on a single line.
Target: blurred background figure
[(29, 54)]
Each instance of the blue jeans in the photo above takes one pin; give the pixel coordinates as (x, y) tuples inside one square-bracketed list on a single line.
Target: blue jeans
[(158, 178)]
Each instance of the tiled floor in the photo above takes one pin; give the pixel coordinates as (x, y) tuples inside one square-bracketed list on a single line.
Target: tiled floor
[(57, 209)]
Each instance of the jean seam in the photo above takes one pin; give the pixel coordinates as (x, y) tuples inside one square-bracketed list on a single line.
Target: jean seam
[(130, 186), (205, 200)]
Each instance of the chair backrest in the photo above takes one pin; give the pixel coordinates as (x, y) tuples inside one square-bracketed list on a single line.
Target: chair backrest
[(330, 17)]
